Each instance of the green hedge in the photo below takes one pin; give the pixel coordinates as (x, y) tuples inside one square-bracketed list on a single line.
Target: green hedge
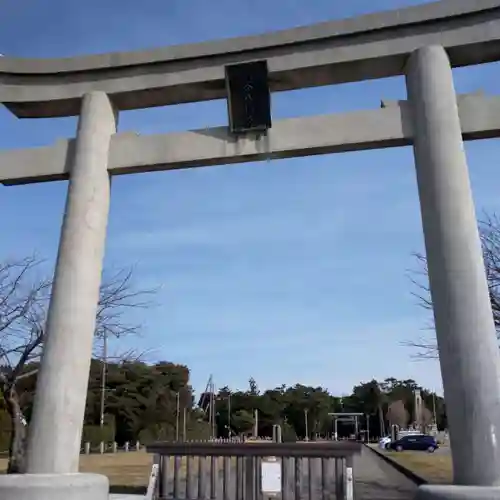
[(195, 431), (94, 435)]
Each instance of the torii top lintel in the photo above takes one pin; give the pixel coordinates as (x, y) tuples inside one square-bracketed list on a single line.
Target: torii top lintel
[(365, 47)]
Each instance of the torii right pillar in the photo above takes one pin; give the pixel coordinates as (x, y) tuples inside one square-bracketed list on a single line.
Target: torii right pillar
[(466, 336)]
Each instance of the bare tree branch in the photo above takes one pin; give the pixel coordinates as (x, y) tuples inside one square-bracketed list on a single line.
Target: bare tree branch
[(27, 375), (489, 229), (24, 302), (397, 413), (118, 295)]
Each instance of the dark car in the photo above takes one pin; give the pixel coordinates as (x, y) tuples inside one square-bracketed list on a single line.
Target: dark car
[(417, 442)]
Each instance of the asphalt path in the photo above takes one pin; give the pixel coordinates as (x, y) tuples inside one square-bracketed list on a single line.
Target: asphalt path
[(375, 479)]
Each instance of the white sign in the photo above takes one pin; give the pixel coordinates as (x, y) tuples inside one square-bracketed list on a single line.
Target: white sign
[(153, 478), (349, 485), (271, 476)]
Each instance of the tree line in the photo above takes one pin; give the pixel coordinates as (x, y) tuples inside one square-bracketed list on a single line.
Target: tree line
[(305, 412), (155, 402)]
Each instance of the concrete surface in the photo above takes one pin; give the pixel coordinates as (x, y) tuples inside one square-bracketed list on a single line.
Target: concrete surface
[(54, 487), (465, 331), (428, 492), (374, 479), (371, 46), (56, 426), (360, 130), (126, 497)]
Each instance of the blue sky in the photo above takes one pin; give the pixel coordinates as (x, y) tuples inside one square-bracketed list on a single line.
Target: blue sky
[(287, 271)]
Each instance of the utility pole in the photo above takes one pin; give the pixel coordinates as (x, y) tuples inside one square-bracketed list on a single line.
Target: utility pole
[(307, 423), (368, 427), (210, 411), (211, 408), (177, 415), (184, 424), (256, 423), (229, 416), (434, 408), (103, 378), (214, 414)]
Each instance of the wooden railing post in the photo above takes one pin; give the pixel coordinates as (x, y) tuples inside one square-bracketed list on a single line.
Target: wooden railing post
[(249, 474), (202, 477), (214, 474), (177, 476), (298, 478)]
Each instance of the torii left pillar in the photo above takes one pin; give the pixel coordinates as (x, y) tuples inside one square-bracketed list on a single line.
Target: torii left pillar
[(56, 427)]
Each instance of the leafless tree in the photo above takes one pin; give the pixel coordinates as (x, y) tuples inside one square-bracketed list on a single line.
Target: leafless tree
[(427, 418), (24, 300), (489, 229), (397, 414)]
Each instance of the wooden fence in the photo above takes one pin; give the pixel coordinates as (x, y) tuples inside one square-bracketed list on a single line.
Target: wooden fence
[(253, 470)]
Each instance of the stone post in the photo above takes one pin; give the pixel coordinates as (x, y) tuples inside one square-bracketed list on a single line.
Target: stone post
[(465, 331), (56, 427)]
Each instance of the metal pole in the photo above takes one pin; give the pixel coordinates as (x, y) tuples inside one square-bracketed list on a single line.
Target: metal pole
[(214, 427), (177, 414), (184, 424), (210, 409), (229, 416), (307, 424), (434, 408), (368, 428), (103, 378)]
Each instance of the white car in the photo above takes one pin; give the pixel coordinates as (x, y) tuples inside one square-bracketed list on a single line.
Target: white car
[(384, 442)]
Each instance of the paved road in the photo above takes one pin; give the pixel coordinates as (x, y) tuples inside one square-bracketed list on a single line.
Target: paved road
[(375, 479)]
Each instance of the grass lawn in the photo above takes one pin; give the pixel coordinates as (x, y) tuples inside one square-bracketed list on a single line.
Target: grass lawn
[(436, 468), (127, 472)]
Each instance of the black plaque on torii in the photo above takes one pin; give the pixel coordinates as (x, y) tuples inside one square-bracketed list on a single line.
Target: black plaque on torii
[(248, 97)]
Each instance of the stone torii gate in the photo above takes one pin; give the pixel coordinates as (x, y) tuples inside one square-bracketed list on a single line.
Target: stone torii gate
[(422, 43), (352, 418)]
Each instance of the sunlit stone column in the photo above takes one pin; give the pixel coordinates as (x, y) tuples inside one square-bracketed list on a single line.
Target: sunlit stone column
[(56, 427), (468, 347)]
